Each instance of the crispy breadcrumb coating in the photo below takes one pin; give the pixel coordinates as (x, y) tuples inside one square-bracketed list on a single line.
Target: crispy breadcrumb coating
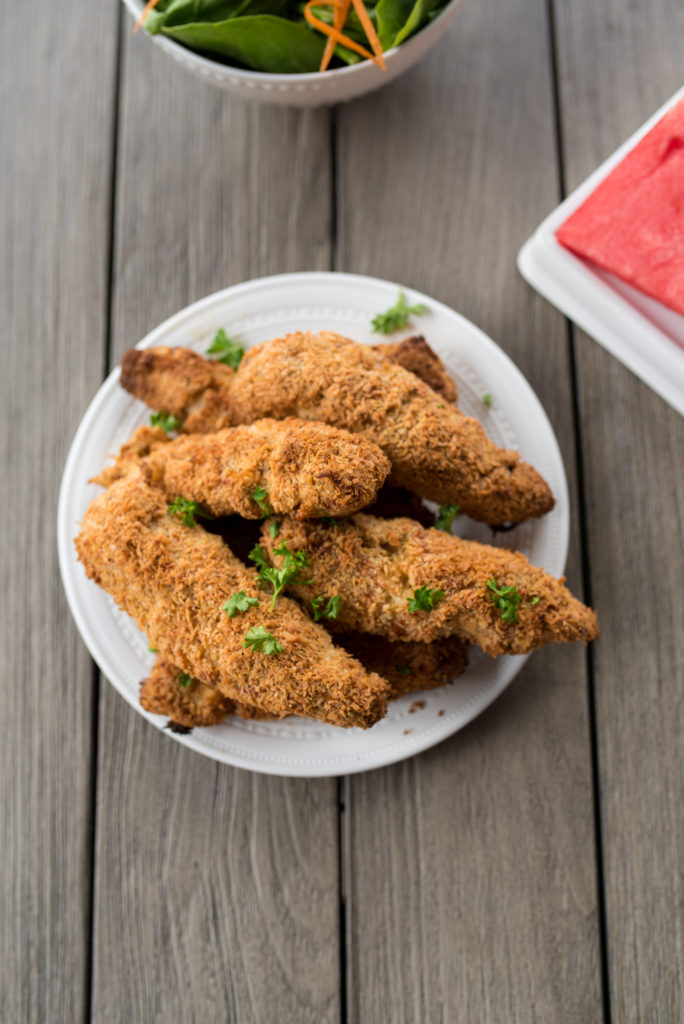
[(408, 667), (415, 354), (173, 580), (293, 466), (194, 704), (435, 450), (376, 565)]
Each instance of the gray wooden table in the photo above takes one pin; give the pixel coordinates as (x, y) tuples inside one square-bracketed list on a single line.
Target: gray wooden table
[(528, 869)]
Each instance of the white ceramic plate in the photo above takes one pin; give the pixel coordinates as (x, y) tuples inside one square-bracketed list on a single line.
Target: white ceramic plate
[(254, 312), (642, 333)]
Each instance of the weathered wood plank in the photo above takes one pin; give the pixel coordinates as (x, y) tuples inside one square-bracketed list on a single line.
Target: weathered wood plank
[(618, 63), (471, 871), (217, 891), (56, 103)]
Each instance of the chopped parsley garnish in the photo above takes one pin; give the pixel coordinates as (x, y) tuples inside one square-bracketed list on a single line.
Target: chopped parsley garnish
[(239, 602), (424, 599), (261, 499), (165, 420), (184, 679), (259, 639), (152, 650), (404, 669), (293, 562), (441, 405), (331, 521), (185, 510), (535, 600), (258, 556), (274, 529), (331, 609), (226, 349), (396, 317), (446, 516), (506, 601), (487, 399)]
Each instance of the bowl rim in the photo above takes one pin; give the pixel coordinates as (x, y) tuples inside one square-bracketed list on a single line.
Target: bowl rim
[(313, 78)]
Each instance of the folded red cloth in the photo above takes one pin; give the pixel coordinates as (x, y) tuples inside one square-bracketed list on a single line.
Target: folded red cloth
[(633, 224)]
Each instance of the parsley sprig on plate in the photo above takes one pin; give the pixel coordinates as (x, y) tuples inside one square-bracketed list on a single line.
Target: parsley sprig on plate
[(185, 510), (226, 349), (445, 517), (506, 600), (165, 420), (239, 602), (184, 679), (293, 563), (258, 638), (424, 599), (397, 316), (261, 498), (331, 609)]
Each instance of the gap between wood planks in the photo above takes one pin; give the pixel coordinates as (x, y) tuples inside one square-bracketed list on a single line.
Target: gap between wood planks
[(585, 567)]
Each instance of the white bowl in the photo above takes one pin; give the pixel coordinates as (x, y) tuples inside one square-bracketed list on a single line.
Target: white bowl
[(307, 90)]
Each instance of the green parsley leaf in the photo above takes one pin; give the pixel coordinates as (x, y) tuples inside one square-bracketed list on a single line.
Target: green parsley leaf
[(293, 563), (441, 405), (535, 600), (331, 521), (445, 517), (506, 601), (396, 317), (331, 610), (184, 679), (424, 599), (258, 556), (274, 529), (261, 497), (404, 669), (185, 510), (239, 602), (259, 639), (227, 349), (487, 399), (165, 420), (152, 650)]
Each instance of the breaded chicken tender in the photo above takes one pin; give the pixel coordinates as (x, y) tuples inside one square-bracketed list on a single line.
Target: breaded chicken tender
[(435, 450), (292, 466), (415, 354), (179, 381), (186, 701), (376, 565), (173, 580), (408, 668)]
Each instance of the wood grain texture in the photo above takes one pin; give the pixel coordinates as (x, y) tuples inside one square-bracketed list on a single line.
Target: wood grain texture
[(618, 63), (217, 891), (56, 102), (471, 870)]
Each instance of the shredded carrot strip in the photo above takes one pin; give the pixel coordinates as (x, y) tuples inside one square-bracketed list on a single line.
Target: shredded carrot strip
[(341, 12), (369, 29), (333, 33), (146, 9)]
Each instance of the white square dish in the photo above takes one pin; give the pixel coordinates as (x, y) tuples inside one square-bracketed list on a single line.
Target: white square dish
[(642, 333)]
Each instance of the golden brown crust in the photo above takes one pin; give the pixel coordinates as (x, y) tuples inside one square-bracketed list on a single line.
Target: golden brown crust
[(435, 450), (304, 468), (173, 580), (375, 565), (142, 442), (408, 668), (415, 354), (179, 381), (196, 704)]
